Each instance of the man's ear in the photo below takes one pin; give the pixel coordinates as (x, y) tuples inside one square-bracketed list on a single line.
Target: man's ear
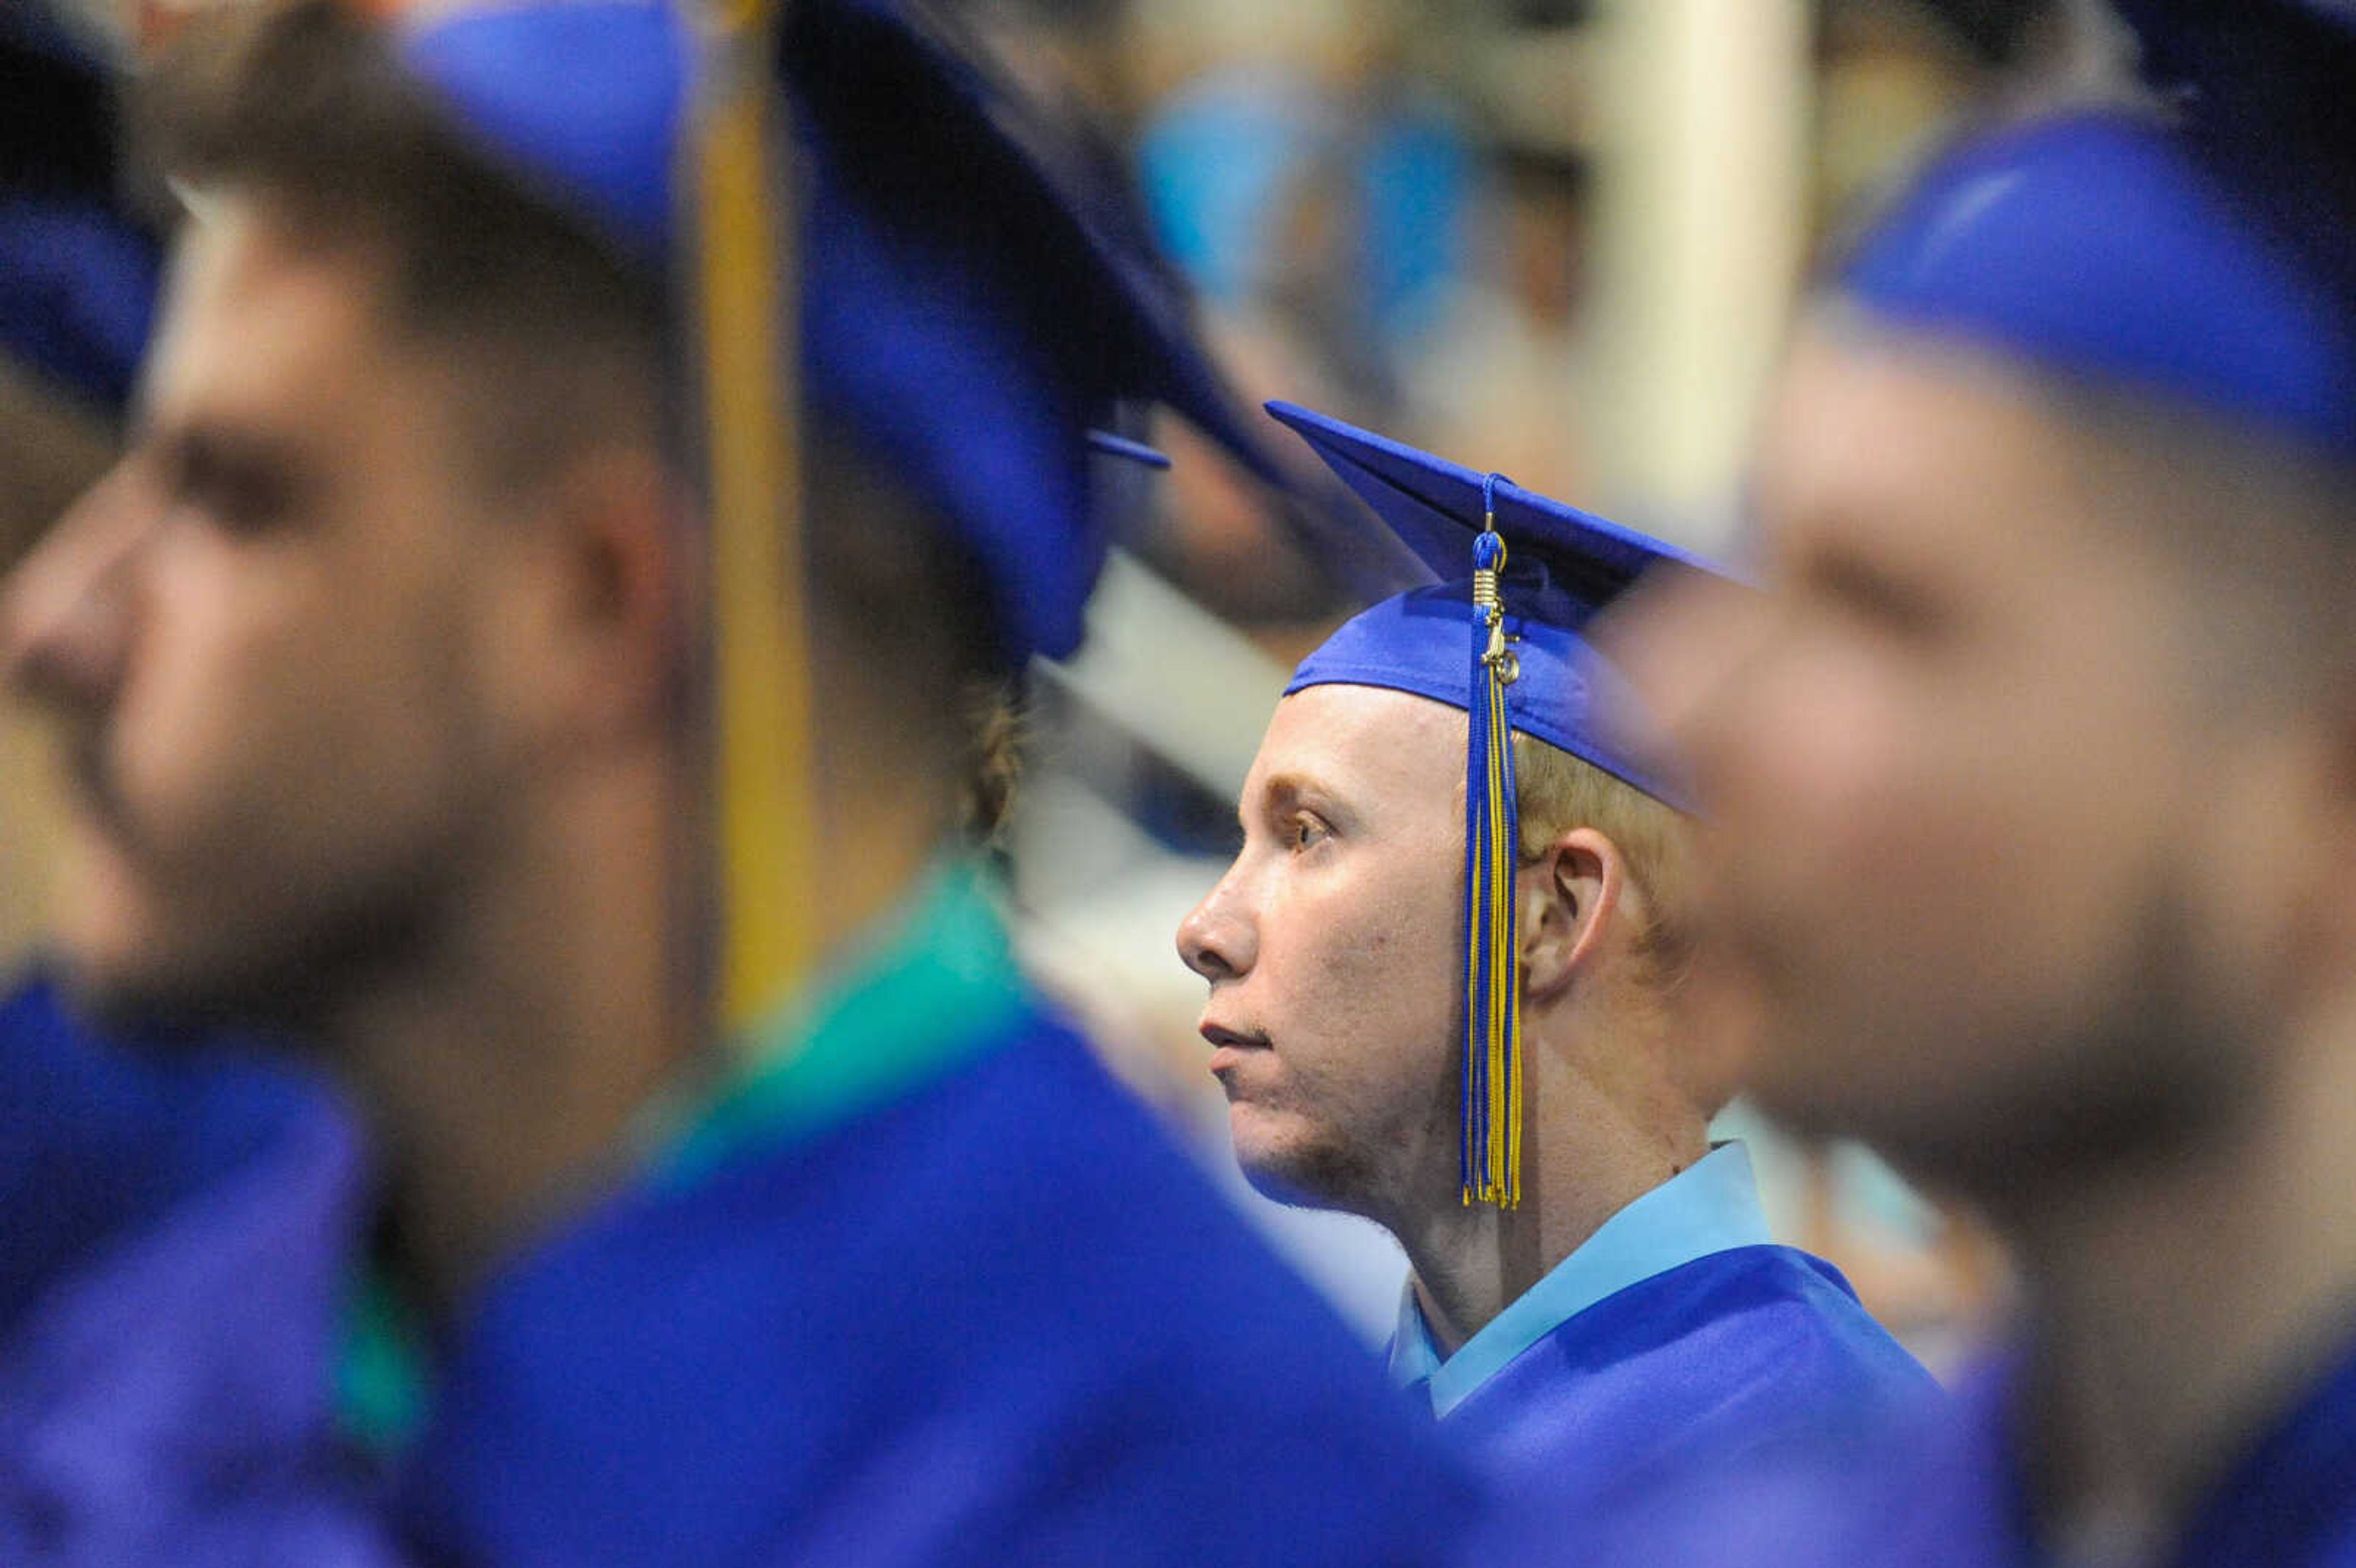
[(1570, 898), (603, 619)]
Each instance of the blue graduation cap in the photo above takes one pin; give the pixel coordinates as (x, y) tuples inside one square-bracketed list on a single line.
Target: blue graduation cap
[(1499, 638), (971, 306), (2208, 257), (970, 309), (78, 275)]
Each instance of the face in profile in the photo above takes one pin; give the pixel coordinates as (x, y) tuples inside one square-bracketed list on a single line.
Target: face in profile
[(1957, 783), (259, 632), (1334, 951)]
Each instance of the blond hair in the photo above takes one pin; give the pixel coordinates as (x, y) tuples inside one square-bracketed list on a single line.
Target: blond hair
[(1559, 792)]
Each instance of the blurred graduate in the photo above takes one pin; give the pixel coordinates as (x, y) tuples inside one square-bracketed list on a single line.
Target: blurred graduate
[(530, 649), (160, 1169), (1446, 979), (2031, 794)]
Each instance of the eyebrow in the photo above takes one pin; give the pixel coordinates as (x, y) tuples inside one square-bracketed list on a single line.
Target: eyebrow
[(1285, 789)]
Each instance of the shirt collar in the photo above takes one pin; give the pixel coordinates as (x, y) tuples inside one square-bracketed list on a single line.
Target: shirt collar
[(1710, 1207)]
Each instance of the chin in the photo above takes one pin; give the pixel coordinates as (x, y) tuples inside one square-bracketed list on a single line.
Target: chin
[(1951, 1140), (123, 1003), (137, 981), (1293, 1162), (1818, 1096), (131, 994), (105, 964)]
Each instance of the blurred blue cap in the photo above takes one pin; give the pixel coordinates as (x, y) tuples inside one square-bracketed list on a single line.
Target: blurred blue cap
[(1562, 566), (78, 275), (2209, 257), (972, 307)]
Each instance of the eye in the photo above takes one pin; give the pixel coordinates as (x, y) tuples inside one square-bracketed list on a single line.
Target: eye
[(1305, 830), (237, 491), (1876, 598), (245, 501)]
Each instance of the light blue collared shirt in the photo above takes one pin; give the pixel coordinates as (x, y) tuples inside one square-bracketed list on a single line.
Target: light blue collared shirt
[(1711, 1206)]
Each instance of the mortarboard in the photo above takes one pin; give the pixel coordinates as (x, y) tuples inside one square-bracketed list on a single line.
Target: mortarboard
[(970, 306), (2203, 255), (1499, 638), (76, 275), (970, 310)]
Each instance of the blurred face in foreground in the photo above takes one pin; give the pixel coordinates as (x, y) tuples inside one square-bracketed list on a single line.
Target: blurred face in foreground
[(268, 634), (1334, 954), (1984, 844)]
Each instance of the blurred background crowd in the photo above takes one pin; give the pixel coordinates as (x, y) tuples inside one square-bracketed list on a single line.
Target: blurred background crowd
[(1557, 239)]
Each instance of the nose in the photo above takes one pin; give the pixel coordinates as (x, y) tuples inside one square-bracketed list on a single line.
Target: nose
[(66, 610), (1216, 939)]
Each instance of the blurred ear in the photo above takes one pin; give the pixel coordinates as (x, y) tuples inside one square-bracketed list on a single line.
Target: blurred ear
[(1572, 899), (2277, 833), (601, 617)]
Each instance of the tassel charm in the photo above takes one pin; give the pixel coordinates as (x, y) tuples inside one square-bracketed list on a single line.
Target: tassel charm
[(1490, 1159)]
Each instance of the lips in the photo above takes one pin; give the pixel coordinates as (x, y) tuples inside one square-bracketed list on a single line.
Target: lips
[(1229, 1046)]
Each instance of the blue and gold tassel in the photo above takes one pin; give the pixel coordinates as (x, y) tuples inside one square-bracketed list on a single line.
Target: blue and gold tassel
[(746, 286), (1491, 1159)]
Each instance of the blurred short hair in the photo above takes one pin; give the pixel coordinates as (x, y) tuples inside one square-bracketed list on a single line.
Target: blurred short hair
[(303, 106)]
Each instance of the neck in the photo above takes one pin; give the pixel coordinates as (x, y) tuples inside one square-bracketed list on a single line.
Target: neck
[(501, 1065), (2179, 1307), (1592, 1144), (504, 1065)]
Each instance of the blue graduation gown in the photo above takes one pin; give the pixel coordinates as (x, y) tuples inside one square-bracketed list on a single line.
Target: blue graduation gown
[(99, 1136), (177, 1235), (1946, 1492), (937, 1291), (1751, 1350), (1002, 1320), (989, 1314), (1675, 1339)]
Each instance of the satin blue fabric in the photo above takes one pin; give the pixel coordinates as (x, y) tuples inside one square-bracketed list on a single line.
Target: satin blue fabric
[(1733, 1357), (1711, 1206), (2096, 245), (175, 1235), (1948, 1491), (1001, 1320), (1677, 1341)]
